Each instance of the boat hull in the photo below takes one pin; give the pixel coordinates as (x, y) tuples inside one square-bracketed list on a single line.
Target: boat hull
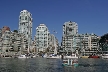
[(53, 57), (105, 57), (70, 62), (84, 56), (69, 57), (75, 64), (93, 57)]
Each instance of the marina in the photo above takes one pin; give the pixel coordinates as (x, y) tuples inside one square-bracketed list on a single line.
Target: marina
[(40, 64), (53, 36)]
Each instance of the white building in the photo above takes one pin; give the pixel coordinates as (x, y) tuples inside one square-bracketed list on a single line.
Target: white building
[(70, 29), (42, 37), (53, 42), (25, 25)]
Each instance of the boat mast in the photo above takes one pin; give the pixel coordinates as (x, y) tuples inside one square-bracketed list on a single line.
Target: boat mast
[(55, 50)]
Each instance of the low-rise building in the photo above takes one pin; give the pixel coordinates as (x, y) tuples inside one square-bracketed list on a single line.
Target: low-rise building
[(53, 43), (12, 42)]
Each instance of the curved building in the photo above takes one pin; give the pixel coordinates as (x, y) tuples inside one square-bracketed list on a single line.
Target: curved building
[(25, 25), (42, 37)]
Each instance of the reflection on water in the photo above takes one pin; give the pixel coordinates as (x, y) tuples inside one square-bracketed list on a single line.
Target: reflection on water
[(51, 65)]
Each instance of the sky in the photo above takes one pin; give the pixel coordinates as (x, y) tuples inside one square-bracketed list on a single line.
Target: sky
[(90, 15)]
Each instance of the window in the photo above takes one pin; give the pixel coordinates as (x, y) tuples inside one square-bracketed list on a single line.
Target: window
[(70, 29), (20, 17), (30, 19), (6, 50), (26, 18)]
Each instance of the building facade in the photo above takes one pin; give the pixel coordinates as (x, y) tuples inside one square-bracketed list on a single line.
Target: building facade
[(42, 37), (70, 29), (0, 33), (6, 41), (19, 42), (90, 41), (53, 42), (5, 28), (25, 25), (13, 42)]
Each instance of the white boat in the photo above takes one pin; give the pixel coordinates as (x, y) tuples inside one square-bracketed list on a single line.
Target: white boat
[(71, 56), (70, 62), (23, 56), (45, 56), (54, 57), (34, 56), (105, 56)]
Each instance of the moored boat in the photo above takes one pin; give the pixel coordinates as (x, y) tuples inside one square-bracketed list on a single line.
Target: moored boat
[(73, 56), (93, 56), (70, 62), (84, 56), (105, 56), (23, 56), (53, 57)]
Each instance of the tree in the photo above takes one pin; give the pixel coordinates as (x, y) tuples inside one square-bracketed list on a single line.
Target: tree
[(15, 31), (103, 42)]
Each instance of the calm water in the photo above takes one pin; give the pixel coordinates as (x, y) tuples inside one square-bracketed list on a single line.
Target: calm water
[(52, 65)]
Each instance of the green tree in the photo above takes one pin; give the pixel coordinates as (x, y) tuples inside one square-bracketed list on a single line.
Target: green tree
[(15, 31)]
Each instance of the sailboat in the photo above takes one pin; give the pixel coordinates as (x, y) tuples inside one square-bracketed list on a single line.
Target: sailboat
[(54, 56)]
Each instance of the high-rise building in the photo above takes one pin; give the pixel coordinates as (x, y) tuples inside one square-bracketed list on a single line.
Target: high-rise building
[(70, 29), (42, 37), (25, 25)]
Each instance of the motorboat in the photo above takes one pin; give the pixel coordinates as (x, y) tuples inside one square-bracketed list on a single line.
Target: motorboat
[(53, 56), (105, 56), (71, 56), (23, 56), (70, 62)]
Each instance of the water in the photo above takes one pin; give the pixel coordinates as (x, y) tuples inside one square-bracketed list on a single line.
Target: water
[(51, 65)]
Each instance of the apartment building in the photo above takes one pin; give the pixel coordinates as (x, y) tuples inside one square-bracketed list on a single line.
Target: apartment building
[(25, 25), (70, 29), (53, 42), (42, 37)]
